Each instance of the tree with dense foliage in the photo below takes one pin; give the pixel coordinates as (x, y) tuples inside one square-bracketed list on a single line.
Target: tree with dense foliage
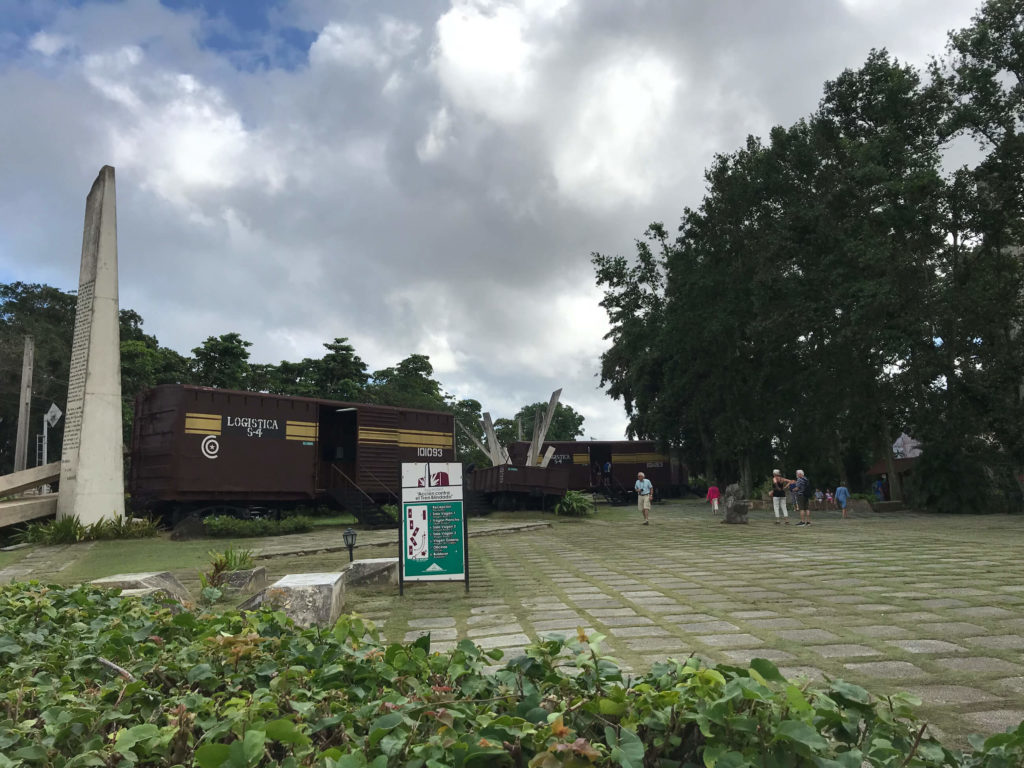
[(410, 384), (468, 414), (46, 314), (340, 374), (835, 287), (222, 362), (566, 423)]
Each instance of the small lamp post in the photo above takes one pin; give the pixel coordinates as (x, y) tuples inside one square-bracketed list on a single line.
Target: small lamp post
[(350, 541)]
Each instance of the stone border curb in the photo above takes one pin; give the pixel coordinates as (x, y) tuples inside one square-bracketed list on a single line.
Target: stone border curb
[(392, 544)]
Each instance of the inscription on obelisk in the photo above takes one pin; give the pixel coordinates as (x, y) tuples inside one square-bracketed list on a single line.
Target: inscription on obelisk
[(92, 465)]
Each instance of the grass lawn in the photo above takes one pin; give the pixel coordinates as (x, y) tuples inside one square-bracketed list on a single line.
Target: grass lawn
[(10, 558)]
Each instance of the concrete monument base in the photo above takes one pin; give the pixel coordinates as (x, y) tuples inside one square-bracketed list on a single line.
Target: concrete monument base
[(251, 580), (146, 583), (372, 572), (306, 598)]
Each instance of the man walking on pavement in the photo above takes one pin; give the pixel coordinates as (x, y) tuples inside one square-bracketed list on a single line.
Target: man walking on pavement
[(644, 491)]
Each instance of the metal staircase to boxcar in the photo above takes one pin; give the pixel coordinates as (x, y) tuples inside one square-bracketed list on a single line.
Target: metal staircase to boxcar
[(615, 494), (358, 503)]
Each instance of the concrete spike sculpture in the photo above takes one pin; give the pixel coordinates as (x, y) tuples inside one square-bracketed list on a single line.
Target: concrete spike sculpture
[(92, 464), (541, 425)]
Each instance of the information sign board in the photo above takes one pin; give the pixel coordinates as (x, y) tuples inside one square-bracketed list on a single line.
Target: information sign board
[(433, 526)]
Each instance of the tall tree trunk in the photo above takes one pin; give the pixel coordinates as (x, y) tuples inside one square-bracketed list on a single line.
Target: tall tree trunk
[(746, 481), (705, 447), (837, 458), (895, 486)]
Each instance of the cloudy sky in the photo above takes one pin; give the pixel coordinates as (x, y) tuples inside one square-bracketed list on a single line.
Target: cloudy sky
[(421, 176)]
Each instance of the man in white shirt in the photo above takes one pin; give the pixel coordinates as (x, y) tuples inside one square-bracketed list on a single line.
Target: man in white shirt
[(644, 492)]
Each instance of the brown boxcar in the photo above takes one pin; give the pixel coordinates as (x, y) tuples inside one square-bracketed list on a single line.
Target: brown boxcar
[(511, 487), (586, 459), (199, 446)]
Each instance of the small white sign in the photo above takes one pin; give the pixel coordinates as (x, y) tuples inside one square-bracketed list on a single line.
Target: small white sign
[(53, 415), (431, 475)]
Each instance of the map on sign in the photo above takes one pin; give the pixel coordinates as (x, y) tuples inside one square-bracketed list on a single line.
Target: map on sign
[(433, 522), (416, 531)]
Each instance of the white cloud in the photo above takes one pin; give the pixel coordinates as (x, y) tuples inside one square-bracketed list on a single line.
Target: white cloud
[(614, 146), (484, 61), (357, 46), (347, 45), (180, 135), (438, 135), (49, 44)]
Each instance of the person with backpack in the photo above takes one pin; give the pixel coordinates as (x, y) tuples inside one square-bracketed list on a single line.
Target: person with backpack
[(803, 497)]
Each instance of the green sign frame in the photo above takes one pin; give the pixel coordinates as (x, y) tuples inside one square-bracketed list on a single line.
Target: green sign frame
[(433, 529)]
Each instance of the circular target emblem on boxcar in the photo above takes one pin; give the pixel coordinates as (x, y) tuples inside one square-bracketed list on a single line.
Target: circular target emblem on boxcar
[(210, 447)]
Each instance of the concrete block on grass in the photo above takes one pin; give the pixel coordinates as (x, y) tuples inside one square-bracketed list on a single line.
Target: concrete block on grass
[(372, 572), (146, 583), (251, 580), (306, 598)]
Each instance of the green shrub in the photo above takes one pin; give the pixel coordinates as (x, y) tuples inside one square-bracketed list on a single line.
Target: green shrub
[(391, 510), (225, 526), (69, 530), (319, 510), (91, 678), (574, 504)]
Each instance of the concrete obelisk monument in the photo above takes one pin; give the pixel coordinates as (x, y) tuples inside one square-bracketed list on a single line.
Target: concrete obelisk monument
[(92, 465)]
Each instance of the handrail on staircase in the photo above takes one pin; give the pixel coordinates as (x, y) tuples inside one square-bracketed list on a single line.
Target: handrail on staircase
[(382, 484), (352, 482)]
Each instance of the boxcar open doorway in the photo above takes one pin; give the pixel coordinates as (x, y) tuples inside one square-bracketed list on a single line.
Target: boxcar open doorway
[(339, 445), (600, 454)]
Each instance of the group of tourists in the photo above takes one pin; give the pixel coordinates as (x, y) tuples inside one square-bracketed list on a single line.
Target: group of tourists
[(798, 493), (797, 489)]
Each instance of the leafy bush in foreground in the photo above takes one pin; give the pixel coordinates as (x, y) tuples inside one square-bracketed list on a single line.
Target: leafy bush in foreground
[(69, 530), (89, 678), (234, 527)]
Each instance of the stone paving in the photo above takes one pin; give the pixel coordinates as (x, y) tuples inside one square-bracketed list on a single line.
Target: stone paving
[(931, 605)]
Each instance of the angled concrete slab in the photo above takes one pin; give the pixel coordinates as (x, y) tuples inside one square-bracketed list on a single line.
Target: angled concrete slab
[(306, 598)]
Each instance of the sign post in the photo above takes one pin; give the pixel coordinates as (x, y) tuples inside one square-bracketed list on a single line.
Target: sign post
[(433, 527), (50, 419)]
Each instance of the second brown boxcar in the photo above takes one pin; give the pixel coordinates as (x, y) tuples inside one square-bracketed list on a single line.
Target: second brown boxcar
[(586, 460), (200, 448)]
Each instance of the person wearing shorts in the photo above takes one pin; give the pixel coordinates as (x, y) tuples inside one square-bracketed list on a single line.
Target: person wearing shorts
[(842, 498), (803, 497), (644, 492)]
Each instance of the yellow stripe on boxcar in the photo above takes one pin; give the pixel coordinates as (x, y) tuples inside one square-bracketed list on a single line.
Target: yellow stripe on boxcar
[(419, 438), (202, 423), (306, 431), (637, 458), (378, 435)]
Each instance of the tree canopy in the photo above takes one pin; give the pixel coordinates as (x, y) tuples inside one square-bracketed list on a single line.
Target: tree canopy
[(222, 361), (838, 285)]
